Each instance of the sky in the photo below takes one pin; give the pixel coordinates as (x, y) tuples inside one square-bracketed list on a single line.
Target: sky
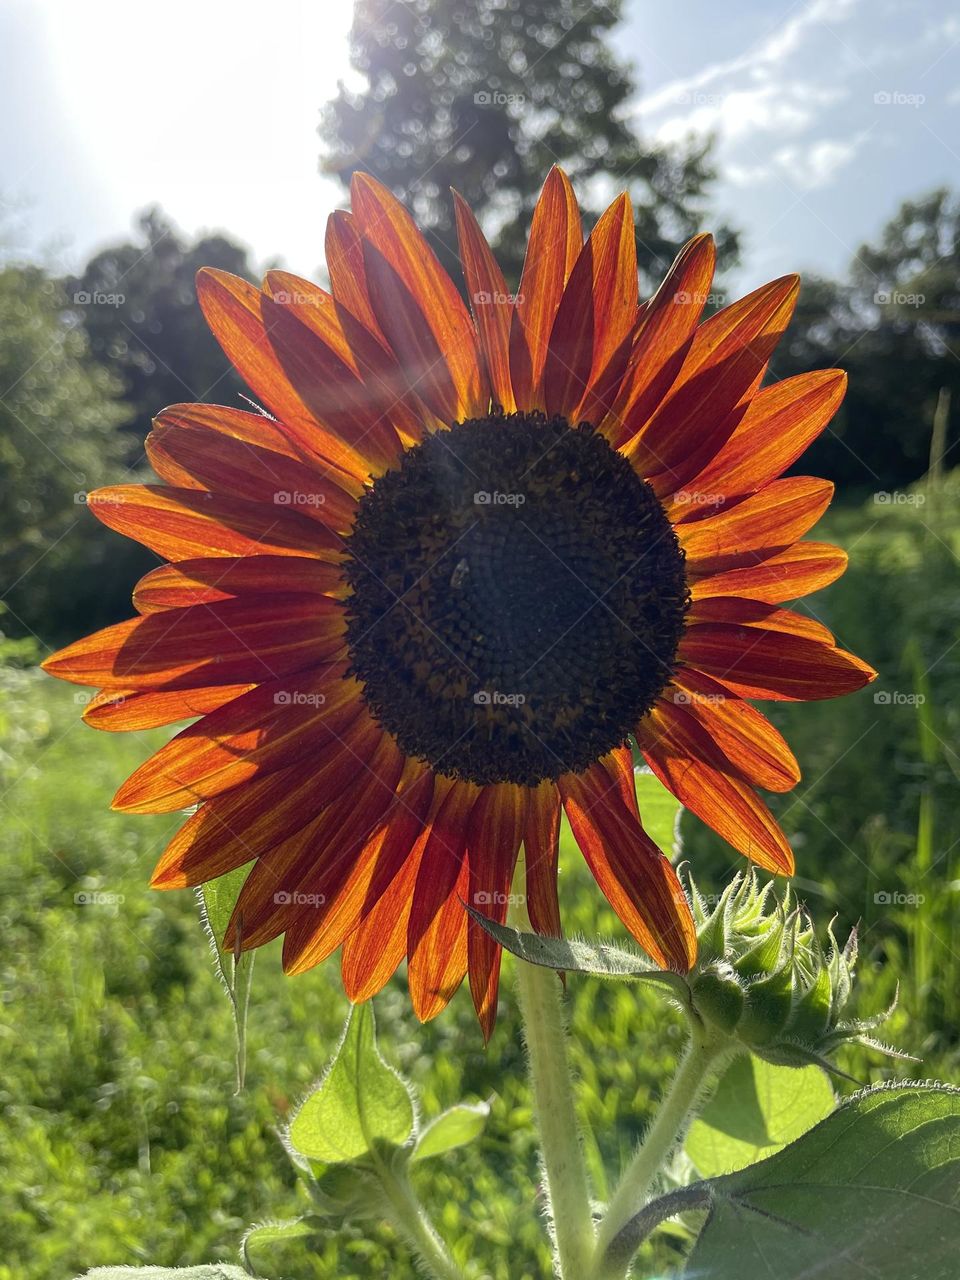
[(826, 114)]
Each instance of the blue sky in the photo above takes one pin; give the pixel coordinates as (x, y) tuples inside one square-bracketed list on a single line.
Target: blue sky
[(827, 114)]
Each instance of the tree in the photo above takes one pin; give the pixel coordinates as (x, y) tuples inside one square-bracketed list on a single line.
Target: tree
[(486, 96), (138, 304), (894, 325), (59, 419)]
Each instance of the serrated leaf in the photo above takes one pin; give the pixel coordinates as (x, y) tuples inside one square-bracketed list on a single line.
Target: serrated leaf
[(660, 812), (217, 899), (454, 1128), (361, 1102), (598, 958), (756, 1110), (873, 1189), (211, 1271)]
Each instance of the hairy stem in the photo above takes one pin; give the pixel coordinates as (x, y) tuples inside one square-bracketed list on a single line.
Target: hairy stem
[(677, 1109), (408, 1217), (542, 1011)]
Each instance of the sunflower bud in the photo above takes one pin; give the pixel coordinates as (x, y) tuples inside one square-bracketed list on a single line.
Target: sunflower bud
[(764, 979)]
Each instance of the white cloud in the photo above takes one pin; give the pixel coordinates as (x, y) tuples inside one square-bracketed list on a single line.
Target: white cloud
[(803, 167)]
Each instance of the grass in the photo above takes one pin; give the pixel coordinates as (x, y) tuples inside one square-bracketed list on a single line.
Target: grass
[(121, 1137)]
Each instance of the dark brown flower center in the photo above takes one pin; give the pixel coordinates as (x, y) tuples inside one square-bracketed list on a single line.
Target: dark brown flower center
[(518, 595)]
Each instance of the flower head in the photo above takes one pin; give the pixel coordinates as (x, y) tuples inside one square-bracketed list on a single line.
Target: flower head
[(427, 598)]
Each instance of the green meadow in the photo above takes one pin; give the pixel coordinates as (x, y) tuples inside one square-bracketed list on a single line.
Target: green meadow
[(122, 1139)]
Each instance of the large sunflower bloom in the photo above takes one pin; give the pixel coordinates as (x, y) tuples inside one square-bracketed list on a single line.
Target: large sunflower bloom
[(424, 604)]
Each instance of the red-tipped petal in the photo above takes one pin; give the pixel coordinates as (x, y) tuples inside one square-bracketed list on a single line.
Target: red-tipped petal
[(541, 848), (681, 753), (636, 878), (592, 332), (795, 572), (554, 245), (757, 528), (665, 331), (490, 302)]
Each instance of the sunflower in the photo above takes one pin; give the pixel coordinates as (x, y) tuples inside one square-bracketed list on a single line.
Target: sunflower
[(430, 595)]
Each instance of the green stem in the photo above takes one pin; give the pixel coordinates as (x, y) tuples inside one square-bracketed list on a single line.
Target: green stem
[(669, 1126), (542, 1012), (407, 1216)]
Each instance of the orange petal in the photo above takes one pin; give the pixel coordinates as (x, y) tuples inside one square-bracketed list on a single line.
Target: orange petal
[(274, 725), (247, 428), (348, 279), (236, 468), (297, 879), (232, 642), (681, 753), (417, 305), (541, 846), (370, 875), (208, 581), (232, 309), (637, 880), (188, 524), (493, 843), (553, 248), (119, 710), (386, 395), (757, 613), (247, 823), (666, 329), (756, 528), (728, 354), (780, 423), (795, 572), (372, 952), (772, 664), (491, 304), (743, 734), (437, 931), (592, 332)]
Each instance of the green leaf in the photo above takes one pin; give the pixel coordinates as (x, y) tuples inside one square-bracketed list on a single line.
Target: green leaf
[(871, 1191), (217, 900), (660, 812), (756, 1110), (454, 1128), (211, 1271), (599, 958), (267, 1235), (359, 1103)]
